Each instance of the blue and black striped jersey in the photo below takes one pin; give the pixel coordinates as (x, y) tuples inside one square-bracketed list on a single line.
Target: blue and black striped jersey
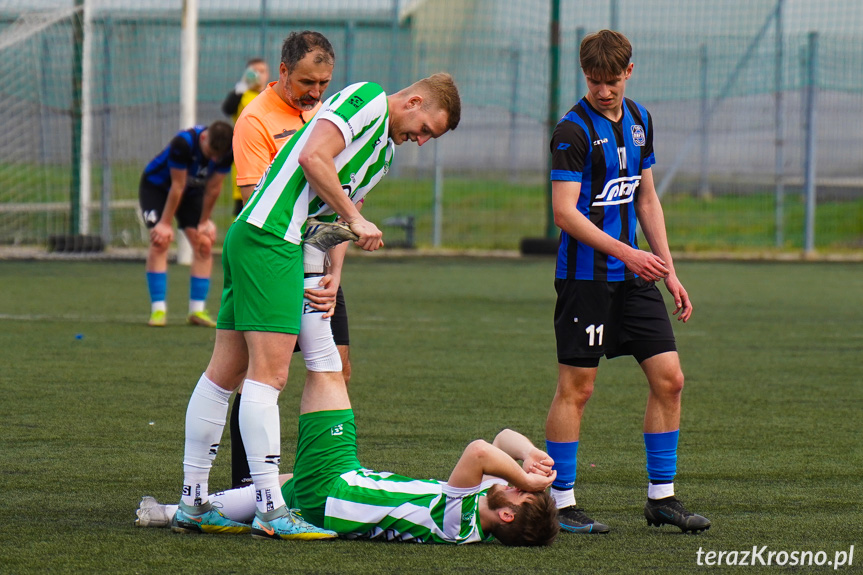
[(184, 153), (607, 158)]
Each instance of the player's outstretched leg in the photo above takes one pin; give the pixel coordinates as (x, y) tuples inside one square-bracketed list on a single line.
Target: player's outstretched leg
[(205, 519), (671, 511), (284, 523)]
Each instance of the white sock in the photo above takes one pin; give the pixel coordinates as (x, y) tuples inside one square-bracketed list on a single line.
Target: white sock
[(158, 306), (563, 497), (660, 490), (316, 336), (196, 305), (261, 431), (205, 420), (236, 504)]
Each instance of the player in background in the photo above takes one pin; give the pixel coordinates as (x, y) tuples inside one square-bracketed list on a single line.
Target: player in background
[(255, 78), (607, 302), (184, 181), (488, 494), (305, 71), (324, 170)]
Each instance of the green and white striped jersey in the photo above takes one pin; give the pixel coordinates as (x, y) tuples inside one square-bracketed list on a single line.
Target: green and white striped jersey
[(283, 199), (370, 504)]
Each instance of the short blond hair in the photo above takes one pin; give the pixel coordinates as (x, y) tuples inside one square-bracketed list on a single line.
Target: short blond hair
[(440, 91)]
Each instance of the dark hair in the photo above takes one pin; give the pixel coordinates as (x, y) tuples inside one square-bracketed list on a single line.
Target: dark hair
[(298, 44), (535, 523), (605, 54), (219, 136), (255, 61)]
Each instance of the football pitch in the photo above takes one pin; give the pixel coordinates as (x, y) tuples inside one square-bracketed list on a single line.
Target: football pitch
[(445, 350)]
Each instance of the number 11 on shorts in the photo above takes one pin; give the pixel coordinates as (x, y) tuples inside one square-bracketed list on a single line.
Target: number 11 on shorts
[(594, 335)]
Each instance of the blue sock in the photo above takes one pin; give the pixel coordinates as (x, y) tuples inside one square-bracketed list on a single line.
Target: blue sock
[(157, 283), (661, 451), (199, 288), (564, 455)]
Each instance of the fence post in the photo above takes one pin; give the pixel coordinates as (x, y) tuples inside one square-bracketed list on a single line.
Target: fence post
[(106, 132), (811, 142), (515, 59), (703, 186), (780, 131), (580, 89), (553, 104), (265, 41), (77, 64), (438, 197), (188, 95)]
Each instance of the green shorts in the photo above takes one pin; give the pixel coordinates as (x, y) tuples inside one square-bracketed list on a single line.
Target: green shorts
[(263, 282), (326, 448)]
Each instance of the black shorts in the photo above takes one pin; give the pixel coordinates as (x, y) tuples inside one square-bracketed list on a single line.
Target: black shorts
[(338, 323), (594, 318), (152, 199)]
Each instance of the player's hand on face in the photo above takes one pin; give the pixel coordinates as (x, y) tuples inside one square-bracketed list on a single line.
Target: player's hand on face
[(371, 238), (162, 235), (324, 298), (538, 462), (536, 482)]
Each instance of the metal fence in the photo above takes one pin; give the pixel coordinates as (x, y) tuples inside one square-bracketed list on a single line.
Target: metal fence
[(754, 104)]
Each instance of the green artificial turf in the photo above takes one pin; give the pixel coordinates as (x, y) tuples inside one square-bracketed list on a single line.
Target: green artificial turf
[(92, 404)]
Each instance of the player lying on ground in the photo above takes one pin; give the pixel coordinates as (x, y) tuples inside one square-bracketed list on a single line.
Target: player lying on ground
[(488, 494)]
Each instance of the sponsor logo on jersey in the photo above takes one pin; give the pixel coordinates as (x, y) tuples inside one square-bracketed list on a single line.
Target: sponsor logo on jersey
[(600, 142), (618, 191), (563, 146), (285, 134), (468, 516), (356, 102), (337, 429), (638, 135)]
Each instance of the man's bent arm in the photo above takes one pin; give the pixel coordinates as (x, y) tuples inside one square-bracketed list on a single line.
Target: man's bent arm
[(317, 160), (211, 194), (482, 458), (569, 219), (522, 449)]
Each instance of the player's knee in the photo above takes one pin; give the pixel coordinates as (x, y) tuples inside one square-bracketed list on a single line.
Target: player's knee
[(575, 393), (316, 342), (159, 248), (675, 384), (670, 386), (204, 249), (320, 352), (322, 361)]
